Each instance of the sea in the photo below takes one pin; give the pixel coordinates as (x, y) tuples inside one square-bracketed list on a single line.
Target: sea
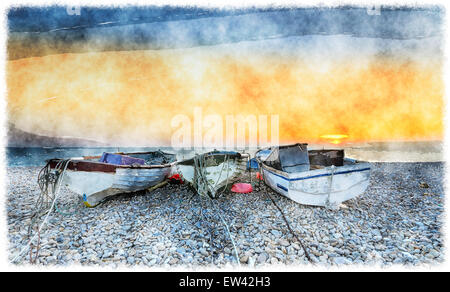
[(428, 151), (37, 156)]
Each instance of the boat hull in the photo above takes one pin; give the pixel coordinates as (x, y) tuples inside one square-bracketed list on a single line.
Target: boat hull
[(96, 186), (218, 175), (327, 187)]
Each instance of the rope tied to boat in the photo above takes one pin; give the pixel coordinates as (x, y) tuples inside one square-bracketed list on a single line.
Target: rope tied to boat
[(206, 188), (236, 254), (45, 179), (290, 229), (203, 185), (330, 188), (285, 219)]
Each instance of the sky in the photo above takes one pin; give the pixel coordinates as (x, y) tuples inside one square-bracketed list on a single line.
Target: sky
[(121, 74)]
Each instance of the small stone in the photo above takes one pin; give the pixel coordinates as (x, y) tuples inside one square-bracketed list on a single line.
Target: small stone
[(376, 232), (251, 262), (262, 258), (122, 252), (244, 259), (276, 232), (342, 261), (107, 253), (424, 185), (377, 238)]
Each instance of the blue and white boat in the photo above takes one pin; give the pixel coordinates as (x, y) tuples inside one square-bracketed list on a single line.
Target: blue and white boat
[(316, 177)]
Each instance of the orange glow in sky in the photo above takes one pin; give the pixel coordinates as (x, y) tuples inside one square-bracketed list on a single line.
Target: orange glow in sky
[(131, 97)]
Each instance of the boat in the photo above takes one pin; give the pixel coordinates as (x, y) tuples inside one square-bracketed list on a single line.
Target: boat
[(98, 177), (315, 177), (212, 172)]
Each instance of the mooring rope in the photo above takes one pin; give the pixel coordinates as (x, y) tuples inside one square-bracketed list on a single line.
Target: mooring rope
[(290, 229), (58, 183), (330, 187), (236, 255), (206, 188), (287, 223), (220, 175), (208, 229)]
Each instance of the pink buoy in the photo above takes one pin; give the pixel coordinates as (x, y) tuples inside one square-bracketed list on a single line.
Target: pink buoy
[(242, 188)]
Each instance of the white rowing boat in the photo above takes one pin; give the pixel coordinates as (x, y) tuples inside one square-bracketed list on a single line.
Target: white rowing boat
[(211, 172), (96, 177), (316, 177)]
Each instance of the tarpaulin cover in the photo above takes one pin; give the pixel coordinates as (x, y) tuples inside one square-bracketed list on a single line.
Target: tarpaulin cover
[(156, 157), (118, 159), (253, 164)]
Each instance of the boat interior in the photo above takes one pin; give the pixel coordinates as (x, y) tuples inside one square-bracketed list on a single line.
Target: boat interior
[(296, 158), (213, 158), (141, 158)]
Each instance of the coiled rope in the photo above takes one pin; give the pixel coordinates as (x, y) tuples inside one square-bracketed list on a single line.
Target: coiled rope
[(44, 194)]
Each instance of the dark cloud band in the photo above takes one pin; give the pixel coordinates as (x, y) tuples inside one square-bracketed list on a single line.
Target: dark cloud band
[(42, 31)]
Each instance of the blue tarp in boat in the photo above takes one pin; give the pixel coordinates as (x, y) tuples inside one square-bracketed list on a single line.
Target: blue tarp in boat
[(118, 159), (253, 164)]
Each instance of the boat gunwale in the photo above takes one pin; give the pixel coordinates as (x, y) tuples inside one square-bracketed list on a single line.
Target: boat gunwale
[(238, 155), (97, 166), (311, 174)]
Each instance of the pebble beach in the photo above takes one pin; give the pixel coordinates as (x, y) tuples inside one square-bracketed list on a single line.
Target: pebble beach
[(397, 221)]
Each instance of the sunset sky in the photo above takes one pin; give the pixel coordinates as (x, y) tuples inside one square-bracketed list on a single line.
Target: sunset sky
[(120, 75)]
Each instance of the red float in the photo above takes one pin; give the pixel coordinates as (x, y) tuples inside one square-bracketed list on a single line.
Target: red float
[(242, 188)]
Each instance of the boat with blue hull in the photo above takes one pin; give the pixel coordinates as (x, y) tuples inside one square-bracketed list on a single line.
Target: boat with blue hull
[(316, 177)]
